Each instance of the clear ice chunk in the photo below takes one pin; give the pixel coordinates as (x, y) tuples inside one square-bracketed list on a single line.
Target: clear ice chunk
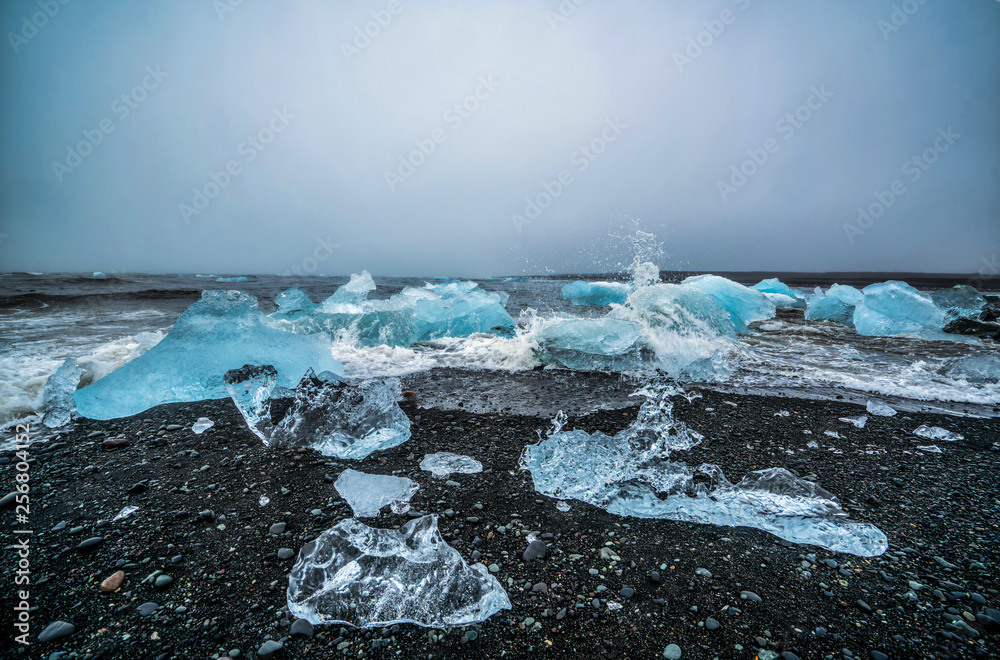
[(588, 344), (202, 425), (125, 513), (630, 474), (233, 280), (368, 493), (250, 388), (836, 305), (57, 398), (743, 304), (880, 408), (345, 420), (457, 309), (371, 578), (960, 302), (596, 294), (937, 433), (782, 295), (222, 331), (895, 308), (859, 421), (930, 449), (354, 293), (978, 369), (445, 463), (292, 303)]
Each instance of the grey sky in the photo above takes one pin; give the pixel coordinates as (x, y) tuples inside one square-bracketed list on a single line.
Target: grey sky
[(609, 75)]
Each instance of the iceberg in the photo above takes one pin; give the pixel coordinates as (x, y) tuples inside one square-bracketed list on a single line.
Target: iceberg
[(222, 331), (743, 304), (98, 274), (593, 344), (354, 293), (937, 433), (250, 388), (596, 294), (975, 369), (372, 578), (631, 474), (881, 409), (368, 493), (782, 295), (57, 398), (233, 279), (836, 305), (445, 463), (960, 302), (345, 420), (895, 308), (291, 304), (202, 425), (457, 309)]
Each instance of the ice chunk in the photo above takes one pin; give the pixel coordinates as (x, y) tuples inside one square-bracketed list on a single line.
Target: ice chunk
[(292, 303), (99, 274), (836, 305), (250, 388), (368, 493), (222, 331), (354, 293), (264, 500), (563, 506), (832, 434), (960, 301), (630, 474), (894, 308), (57, 399), (857, 421), (372, 578), (445, 463), (233, 279), (930, 449), (879, 408), (345, 420), (937, 433), (743, 304), (975, 369), (457, 309), (202, 425), (596, 293), (773, 288), (592, 344), (125, 513)]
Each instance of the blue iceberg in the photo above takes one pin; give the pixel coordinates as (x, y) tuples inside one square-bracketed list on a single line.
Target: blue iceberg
[(291, 304), (782, 295), (239, 279), (596, 294), (457, 309), (594, 344), (57, 399), (895, 308), (250, 388), (224, 330), (743, 304), (960, 302), (836, 305)]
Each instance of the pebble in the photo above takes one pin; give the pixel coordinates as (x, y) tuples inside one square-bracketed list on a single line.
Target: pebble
[(863, 606), (878, 655), (163, 581), (301, 627), (277, 528), (148, 608), (535, 550), (704, 572), (113, 582), (751, 596), (712, 624), (672, 652), (115, 442), (626, 592), (286, 553), (90, 544), (7, 502), (655, 577), (56, 630), (269, 648)]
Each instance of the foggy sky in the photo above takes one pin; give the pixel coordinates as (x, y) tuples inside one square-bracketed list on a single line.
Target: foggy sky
[(671, 120)]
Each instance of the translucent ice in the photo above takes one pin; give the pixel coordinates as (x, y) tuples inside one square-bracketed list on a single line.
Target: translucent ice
[(125, 513), (222, 331), (345, 420), (99, 274), (250, 388), (961, 301), (355, 292), (593, 344), (372, 578), (937, 433), (368, 493), (856, 421), (630, 474), (775, 287), (445, 463), (57, 399), (743, 304), (457, 309), (232, 279), (879, 408), (596, 293), (894, 308), (836, 305), (292, 304), (202, 425), (975, 369), (930, 449)]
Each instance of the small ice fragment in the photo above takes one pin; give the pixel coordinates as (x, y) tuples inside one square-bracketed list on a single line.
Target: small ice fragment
[(125, 513), (373, 578), (563, 506), (250, 387), (782, 413), (933, 449), (812, 444), (445, 463), (368, 493), (612, 605), (730, 403), (937, 433), (832, 434), (857, 421), (709, 409), (807, 431), (879, 408), (202, 425), (264, 500), (399, 508), (57, 399)]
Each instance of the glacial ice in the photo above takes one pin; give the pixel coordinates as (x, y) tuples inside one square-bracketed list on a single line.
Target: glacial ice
[(859, 421), (222, 331), (960, 301), (930, 449), (202, 425), (836, 305), (775, 287), (894, 308), (250, 388), (354, 293), (630, 474), (233, 279), (371, 578), (368, 493), (588, 344), (596, 293), (743, 304), (57, 398), (458, 309), (445, 463), (346, 420), (975, 369), (937, 433), (880, 408), (292, 303), (98, 274)]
